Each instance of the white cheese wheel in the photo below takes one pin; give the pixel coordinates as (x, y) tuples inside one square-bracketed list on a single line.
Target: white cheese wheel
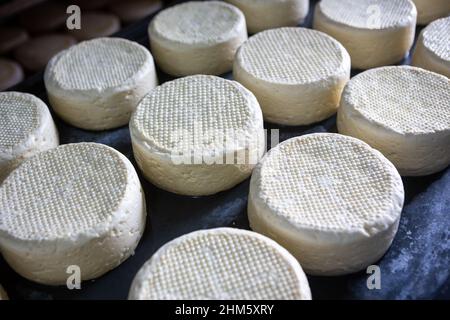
[(3, 295), (375, 32), (26, 128), (404, 112), (197, 37), (269, 14), (432, 50), (221, 264), (429, 10), (97, 84), (331, 200), (296, 74), (76, 205), (197, 135)]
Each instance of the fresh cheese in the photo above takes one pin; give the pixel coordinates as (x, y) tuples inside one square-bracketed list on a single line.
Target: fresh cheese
[(375, 32), (296, 74), (221, 264), (3, 295), (77, 205), (26, 128), (269, 14), (197, 135), (429, 10), (331, 200), (197, 37), (432, 51), (97, 84), (402, 112)]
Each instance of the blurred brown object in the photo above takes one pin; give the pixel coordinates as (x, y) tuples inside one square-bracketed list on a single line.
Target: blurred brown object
[(34, 54), (89, 4), (134, 10), (95, 25), (44, 17), (11, 37), (11, 73), (11, 7)]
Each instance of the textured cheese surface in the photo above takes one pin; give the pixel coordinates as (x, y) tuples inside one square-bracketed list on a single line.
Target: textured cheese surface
[(88, 66), (62, 193), (327, 182), (20, 115), (392, 13), (198, 22), (403, 99), (436, 37), (292, 56), (199, 105), (221, 263)]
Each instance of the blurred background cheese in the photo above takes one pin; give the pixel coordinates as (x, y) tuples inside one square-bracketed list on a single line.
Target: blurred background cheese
[(269, 14), (197, 37), (221, 264), (432, 51), (76, 205), (26, 128), (404, 113), (330, 200), (296, 74), (11, 73), (375, 32), (429, 10)]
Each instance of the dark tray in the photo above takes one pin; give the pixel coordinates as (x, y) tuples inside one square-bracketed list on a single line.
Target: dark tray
[(415, 267)]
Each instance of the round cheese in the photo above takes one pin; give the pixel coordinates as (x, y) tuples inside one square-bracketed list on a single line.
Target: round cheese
[(404, 113), (221, 264), (3, 295), (429, 10), (97, 84), (197, 135), (375, 32), (331, 200), (77, 205), (11, 73), (197, 37), (26, 128), (269, 14), (296, 74), (432, 51), (96, 25)]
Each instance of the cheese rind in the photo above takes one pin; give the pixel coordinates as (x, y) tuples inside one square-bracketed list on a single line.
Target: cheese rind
[(223, 263), (330, 200), (402, 112), (271, 14), (432, 51), (429, 10), (375, 33), (79, 204), (207, 118), (26, 128), (197, 37), (97, 84), (296, 74)]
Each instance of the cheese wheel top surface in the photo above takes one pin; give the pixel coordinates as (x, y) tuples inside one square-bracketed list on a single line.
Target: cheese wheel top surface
[(369, 14), (196, 22), (222, 263), (202, 106), (436, 37), (20, 115), (403, 99), (68, 192), (98, 64), (328, 182), (292, 56)]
